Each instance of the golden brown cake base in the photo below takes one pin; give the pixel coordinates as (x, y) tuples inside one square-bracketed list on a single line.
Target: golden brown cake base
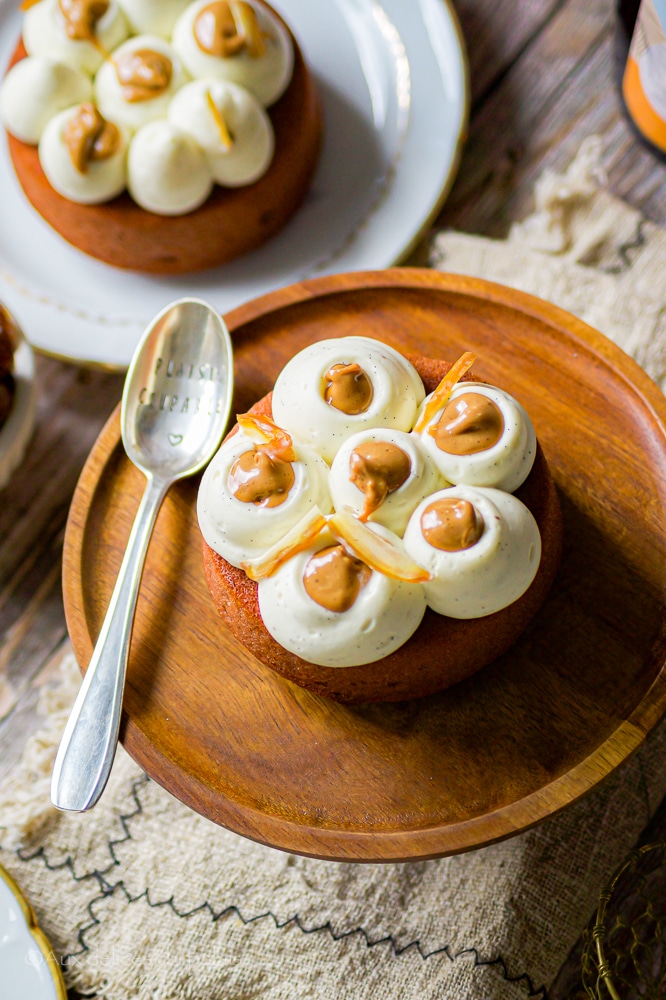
[(230, 223), (442, 651)]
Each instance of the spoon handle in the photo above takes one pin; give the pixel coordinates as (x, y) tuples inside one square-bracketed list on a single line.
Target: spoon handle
[(88, 746)]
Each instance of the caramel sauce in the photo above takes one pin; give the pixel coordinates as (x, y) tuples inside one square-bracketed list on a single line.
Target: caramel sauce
[(225, 29), (348, 388), (377, 469), (88, 137), (261, 478), (470, 423), (143, 74), (333, 578), (451, 524), (81, 17)]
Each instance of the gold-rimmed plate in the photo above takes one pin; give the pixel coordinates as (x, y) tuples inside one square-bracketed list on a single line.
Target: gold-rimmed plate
[(28, 966)]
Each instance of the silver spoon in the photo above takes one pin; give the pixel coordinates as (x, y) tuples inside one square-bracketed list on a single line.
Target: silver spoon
[(175, 407)]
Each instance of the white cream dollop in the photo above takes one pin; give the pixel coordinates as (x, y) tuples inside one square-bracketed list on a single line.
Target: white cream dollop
[(44, 34), (241, 531), (298, 396), (266, 76), (507, 463), (35, 90), (395, 510), (102, 179), (492, 573), (167, 172), (109, 90), (249, 155), (153, 17), (384, 615)]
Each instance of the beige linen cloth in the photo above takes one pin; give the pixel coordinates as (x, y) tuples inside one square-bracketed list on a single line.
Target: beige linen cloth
[(143, 898)]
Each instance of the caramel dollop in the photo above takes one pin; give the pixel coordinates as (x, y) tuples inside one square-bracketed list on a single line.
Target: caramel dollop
[(451, 524), (470, 423), (143, 74), (333, 578), (81, 17), (261, 478), (348, 388), (88, 136), (226, 29), (378, 468)]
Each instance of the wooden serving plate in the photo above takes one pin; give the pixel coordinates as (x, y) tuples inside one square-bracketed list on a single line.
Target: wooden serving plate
[(518, 741)]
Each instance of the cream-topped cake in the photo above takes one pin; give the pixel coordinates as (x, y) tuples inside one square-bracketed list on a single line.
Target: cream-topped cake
[(381, 578), (229, 108)]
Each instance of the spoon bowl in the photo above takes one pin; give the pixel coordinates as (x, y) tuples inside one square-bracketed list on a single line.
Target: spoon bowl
[(175, 407), (178, 390)]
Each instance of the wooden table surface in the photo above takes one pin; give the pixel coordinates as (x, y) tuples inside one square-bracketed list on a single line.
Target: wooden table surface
[(542, 79)]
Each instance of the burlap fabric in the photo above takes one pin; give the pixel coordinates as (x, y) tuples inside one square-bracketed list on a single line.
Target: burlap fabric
[(143, 898)]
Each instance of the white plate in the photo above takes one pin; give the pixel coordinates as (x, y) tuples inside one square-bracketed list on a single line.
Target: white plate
[(28, 967), (392, 76)]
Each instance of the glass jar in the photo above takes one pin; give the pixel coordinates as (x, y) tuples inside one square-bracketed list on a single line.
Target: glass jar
[(641, 53)]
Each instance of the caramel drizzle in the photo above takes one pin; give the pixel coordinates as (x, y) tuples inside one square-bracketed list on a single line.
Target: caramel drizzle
[(469, 424), (73, 23), (377, 469), (263, 475), (451, 524), (348, 388), (81, 17), (261, 478), (143, 74), (333, 578), (227, 27), (89, 137)]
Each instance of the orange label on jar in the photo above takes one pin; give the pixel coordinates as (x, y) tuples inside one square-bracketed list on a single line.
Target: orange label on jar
[(644, 81)]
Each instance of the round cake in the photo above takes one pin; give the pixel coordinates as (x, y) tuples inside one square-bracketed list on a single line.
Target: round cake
[(223, 216), (460, 631)]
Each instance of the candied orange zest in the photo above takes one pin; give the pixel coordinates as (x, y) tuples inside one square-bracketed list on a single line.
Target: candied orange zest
[(376, 552), (444, 390), (246, 20), (265, 433), (301, 536), (221, 125), (27, 4)]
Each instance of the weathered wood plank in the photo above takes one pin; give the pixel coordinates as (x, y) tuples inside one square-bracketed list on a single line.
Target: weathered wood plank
[(73, 406), (497, 33), (561, 90), (23, 720)]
